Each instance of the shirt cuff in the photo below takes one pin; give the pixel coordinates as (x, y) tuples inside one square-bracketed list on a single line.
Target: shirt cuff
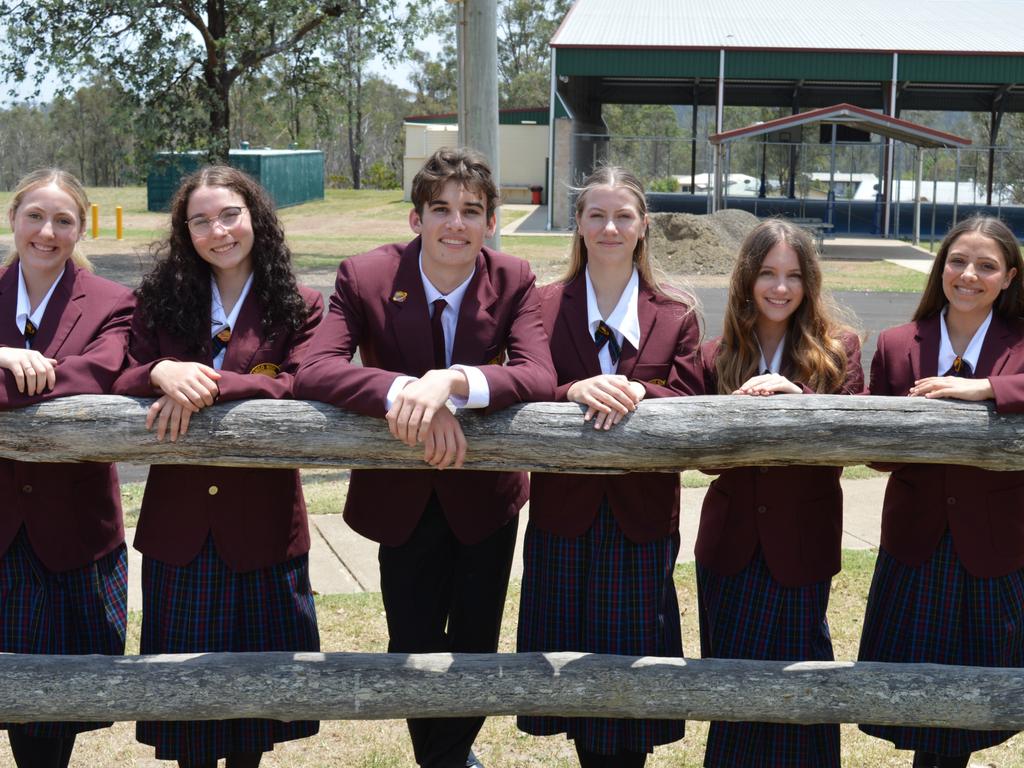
[(396, 386), (479, 391)]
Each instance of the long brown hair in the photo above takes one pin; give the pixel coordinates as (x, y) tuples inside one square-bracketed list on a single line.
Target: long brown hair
[(650, 274), (64, 181), (1010, 303), (813, 342)]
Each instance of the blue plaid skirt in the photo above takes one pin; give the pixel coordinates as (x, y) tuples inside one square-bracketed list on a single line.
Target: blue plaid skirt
[(600, 593), (938, 613), (74, 612), (751, 616), (206, 607)]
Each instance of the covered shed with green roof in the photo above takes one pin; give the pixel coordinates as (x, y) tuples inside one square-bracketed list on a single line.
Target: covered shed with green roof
[(886, 55)]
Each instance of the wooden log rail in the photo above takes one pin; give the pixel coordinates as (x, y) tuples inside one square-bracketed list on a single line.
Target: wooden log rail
[(364, 686), (664, 435)]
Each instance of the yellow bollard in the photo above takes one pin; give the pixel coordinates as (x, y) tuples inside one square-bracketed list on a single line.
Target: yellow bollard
[(95, 221), (119, 215)]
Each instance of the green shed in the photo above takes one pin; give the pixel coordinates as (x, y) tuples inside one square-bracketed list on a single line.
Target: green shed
[(291, 176)]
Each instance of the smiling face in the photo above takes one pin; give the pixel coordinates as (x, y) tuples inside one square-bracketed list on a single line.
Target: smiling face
[(778, 287), (453, 225), (611, 225), (228, 250), (974, 275), (46, 225)]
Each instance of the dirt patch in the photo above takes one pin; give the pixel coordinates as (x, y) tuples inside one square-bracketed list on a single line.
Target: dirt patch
[(688, 244)]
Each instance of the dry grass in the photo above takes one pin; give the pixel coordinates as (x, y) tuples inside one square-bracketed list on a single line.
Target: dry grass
[(356, 622)]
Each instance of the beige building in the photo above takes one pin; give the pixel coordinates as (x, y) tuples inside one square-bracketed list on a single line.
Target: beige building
[(523, 141)]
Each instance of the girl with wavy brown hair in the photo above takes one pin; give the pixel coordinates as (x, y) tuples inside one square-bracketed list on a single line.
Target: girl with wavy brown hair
[(769, 537)]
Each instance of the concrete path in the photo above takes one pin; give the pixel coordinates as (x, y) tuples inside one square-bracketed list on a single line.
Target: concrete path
[(343, 562), (875, 249)]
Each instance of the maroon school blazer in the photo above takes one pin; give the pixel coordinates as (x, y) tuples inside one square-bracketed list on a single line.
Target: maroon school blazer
[(793, 514), (379, 307), (257, 517), (72, 512), (984, 510), (645, 504)]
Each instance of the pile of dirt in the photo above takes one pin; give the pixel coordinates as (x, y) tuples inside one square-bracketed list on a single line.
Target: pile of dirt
[(687, 244)]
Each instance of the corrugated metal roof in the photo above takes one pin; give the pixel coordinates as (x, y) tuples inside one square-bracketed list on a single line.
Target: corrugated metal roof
[(948, 26)]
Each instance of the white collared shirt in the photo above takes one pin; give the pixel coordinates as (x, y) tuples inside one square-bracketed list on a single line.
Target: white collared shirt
[(479, 390), (219, 321), (624, 320), (776, 365), (23, 312), (946, 353)]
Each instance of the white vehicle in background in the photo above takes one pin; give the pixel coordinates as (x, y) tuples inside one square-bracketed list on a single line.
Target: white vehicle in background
[(738, 185), (865, 186)]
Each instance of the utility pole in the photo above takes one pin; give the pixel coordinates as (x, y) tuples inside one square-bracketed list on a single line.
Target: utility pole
[(477, 40)]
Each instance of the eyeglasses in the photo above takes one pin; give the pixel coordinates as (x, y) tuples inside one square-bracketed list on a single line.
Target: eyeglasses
[(202, 226)]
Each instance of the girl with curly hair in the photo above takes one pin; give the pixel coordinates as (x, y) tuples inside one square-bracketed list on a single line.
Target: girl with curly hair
[(225, 563), (63, 563), (769, 537)]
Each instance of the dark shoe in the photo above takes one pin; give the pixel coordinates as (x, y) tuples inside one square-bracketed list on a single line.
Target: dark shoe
[(472, 761)]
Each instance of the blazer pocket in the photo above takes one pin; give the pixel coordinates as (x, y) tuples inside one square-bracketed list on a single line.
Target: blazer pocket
[(821, 529), (714, 516), (652, 373), (1006, 521)]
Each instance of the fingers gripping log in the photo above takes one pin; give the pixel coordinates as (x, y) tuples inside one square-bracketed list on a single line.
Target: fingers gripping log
[(665, 435), (325, 686)]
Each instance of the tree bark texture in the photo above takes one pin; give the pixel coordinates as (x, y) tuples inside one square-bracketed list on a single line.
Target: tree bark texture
[(663, 435), (364, 686)]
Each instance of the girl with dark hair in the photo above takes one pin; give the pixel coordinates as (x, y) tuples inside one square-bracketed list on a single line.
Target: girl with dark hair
[(63, 565), (948, 585), (225, 564), (600, 549), (769, 537)]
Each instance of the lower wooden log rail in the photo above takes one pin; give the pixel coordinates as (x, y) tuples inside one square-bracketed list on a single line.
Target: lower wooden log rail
[(367, 686)]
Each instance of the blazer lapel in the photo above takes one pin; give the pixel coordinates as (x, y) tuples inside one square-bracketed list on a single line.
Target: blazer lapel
[(410, 318), (246, 337), (574, 299), (924, 355), (995, 350), (647, 315), (10, 336), (475, 329), (62, 312)]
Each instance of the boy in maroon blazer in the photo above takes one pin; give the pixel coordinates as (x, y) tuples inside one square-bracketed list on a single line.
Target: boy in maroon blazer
[(441, 320)]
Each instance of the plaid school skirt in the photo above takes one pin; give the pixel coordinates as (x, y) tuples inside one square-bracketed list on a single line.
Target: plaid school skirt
[(751, 616), (600, 593), (73, 612), (938, 613), (206, 607)]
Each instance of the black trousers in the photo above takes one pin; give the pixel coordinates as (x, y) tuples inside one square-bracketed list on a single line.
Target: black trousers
[(444, 596)]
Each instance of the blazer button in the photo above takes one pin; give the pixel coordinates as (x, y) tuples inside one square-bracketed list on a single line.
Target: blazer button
[(26, 489), (764, 470), (213, 490), (951, 500), (762, 509)]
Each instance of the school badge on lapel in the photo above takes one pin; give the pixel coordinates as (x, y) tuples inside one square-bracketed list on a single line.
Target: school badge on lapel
[(657, 382), (399, 297), (266, 369), (499, 359)]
